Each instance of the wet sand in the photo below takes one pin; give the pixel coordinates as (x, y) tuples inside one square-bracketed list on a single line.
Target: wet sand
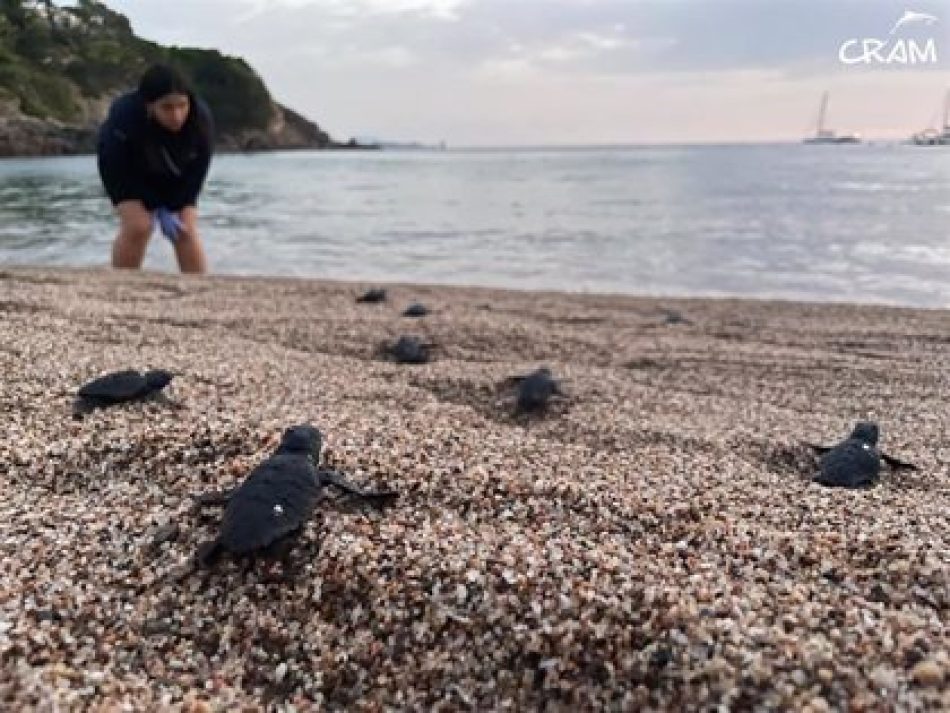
[(653, 542)]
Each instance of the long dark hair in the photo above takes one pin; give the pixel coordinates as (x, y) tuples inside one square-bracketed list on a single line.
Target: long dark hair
[(161, 79)]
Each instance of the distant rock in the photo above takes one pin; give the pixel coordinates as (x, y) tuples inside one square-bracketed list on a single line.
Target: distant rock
[(26, 136), (287, 130)]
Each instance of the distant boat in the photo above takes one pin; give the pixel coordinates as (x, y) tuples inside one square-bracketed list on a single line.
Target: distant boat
[(827, 136), (936, 137)]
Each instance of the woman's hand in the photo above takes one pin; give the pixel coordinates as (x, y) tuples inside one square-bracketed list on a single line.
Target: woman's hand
[(170, 223)]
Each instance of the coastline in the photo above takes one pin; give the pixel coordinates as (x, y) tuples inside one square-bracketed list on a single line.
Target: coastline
[(30, 137), (653, 543)]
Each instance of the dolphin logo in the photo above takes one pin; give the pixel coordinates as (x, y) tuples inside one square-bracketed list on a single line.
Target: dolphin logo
[(911, 17)]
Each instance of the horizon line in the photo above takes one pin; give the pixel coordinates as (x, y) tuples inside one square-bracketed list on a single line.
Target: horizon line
[(445, 145)]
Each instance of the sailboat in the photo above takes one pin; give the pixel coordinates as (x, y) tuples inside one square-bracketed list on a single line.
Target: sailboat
[(935, 137), (827, 136)]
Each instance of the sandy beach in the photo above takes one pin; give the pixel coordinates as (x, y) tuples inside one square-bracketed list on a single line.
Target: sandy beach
[(653, 543)]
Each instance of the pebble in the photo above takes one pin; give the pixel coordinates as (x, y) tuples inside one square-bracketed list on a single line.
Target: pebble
[(884, 677), (927, 673)]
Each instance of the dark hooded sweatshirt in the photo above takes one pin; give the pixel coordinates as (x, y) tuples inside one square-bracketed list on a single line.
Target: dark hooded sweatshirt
[(140, 159)]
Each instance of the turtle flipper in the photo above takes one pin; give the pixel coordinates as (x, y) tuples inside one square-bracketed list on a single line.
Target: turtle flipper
[(208, 554), (83, 407), (219, 498), (281, 551), (897, 463), (818, 449), (335, 477)]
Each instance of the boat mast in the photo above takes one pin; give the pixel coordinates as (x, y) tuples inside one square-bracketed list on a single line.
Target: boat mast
[(946, 111), (822, 108)]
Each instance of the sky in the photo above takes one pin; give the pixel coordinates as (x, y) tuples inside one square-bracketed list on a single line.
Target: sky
[(542, 72)]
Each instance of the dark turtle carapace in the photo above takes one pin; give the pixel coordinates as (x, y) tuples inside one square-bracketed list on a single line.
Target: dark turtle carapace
[(416, 309), (534, 391), (855, 462), (120, 387), (673, 316), (265, 514), (408, 350), (374, 295)]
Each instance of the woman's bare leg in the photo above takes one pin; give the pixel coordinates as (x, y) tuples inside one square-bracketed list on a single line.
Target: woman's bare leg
[(188, 248), (135, 229)]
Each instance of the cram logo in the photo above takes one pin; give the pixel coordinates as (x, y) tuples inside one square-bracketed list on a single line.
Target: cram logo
[(893, 50)]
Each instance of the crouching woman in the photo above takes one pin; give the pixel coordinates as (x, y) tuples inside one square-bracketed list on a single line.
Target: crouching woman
[(154, 151)]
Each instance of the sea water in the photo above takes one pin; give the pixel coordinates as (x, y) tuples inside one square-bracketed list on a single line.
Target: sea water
[(864, 223)]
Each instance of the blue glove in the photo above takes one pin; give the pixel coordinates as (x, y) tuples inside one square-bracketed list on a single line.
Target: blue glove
[(170, 223)]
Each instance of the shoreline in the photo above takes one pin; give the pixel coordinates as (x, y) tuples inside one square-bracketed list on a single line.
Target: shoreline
[(492, 148), (219, 151), (653, 543), (359, 283)]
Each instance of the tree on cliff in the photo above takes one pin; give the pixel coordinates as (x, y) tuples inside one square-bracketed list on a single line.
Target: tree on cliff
[(66, 63)]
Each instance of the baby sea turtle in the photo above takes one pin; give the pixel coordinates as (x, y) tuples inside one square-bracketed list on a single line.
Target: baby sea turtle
[(374, 295), (265, 514), (120, 387), (416, 309), (855, 462), (672, 316), (408, 350), (534, 391)]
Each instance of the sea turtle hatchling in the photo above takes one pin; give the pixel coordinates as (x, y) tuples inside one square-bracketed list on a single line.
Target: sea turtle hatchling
[(374, 295), (120, 387), (855, 462), (268, 511), (416, 309), (673, 316), (408, 350), (534, 391)]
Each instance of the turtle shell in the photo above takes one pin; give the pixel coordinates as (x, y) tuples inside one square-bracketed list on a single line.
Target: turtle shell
[(277, 498), (416, 309), (409, 350), (535, 389), (115, 387), (850, 464)]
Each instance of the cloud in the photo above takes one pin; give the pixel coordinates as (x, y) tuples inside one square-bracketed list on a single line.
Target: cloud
[(393, 56), (461, 69), (438, 9), (587, 36)]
